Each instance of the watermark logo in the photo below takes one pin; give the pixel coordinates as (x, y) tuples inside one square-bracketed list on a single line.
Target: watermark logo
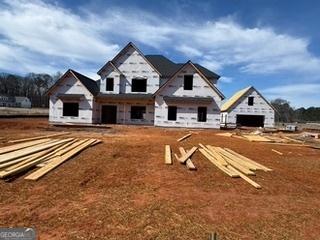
[(17, 234)]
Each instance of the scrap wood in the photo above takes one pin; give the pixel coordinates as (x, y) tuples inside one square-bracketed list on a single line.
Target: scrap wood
[(167, 155), (189, 163), (15, 147), (33, 149), (243, 168), (39, 137), (212, 152), (224, 169), (260, 166), (256, 138), (184, 157), (184, 137), (292, 139), (59, 160), (244, 177), (225, 134), (273, 150), (239, 160), (38, 155)]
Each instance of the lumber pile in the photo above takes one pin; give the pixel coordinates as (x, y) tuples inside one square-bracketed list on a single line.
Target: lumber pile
[(228, 161), (42, 153), (184, 137), (232, 163)]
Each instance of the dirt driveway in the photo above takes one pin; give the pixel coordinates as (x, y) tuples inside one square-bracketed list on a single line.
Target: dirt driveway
[(121, 189)]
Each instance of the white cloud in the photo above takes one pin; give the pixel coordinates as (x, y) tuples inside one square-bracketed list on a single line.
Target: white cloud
[(297, 94), (224, 79), (34, 29)]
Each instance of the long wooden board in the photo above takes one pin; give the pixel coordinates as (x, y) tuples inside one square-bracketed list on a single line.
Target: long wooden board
[(184, 158), (184, 137), (189, 163), (244, 177), (235, 164), (262, 167), (39, 137), (217, 164), (59, 160), (237, 159), (16, 147), (167, 154), (26, 151)]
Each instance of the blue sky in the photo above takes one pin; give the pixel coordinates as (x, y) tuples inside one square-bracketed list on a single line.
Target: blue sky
[(272, 45)]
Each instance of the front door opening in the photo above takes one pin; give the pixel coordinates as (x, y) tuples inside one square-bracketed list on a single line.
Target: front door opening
[(109, 114)]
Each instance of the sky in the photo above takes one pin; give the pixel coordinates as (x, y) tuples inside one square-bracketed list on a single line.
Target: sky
[(270, 44)]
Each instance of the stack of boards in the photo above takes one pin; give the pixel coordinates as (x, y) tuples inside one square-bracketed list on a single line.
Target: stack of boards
[(43, 152), (228, 161)]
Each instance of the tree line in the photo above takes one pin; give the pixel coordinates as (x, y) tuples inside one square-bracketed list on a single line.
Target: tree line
[(286, 113), (32, 85)]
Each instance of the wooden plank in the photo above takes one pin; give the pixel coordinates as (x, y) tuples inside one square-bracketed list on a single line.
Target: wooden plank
[(260, 166), (45, 155), (15, 147), (184, 137), (189, 163), (235, 164), (26, 151), (244, 177), (218, 165), (187, 155), (59, 160), (238, 159), (39, 137), (273, 150), (37, 161), (216, 155), (227, 134), (256, 138), (167, 154)]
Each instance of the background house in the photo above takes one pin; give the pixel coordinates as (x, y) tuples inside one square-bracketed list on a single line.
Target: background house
[(247, 107), (22, 102)]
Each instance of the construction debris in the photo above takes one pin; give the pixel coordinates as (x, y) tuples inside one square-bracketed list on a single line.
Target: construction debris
[(185, 157), (189, 163), (273, 150), (40, 137), (167, 155), (232, 163), (184, 137), (45, 153)]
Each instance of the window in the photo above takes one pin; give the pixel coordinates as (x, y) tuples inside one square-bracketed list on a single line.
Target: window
[(137, 112), (188, 82), (250, 101), (109, 84), (70, 109), (139, 85), (202, 114), (172, 113)]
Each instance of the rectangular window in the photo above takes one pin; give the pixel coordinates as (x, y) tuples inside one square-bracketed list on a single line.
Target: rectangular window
[(172, 113), (109, 84), (138, 112), (70, 109), (139, 85), (202, 114), (188, 82), (250, 101)]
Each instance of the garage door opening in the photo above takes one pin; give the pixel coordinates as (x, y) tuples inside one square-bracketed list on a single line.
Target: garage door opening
[(250, 120)]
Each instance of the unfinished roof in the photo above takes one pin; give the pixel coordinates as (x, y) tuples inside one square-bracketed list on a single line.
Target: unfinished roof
[(88, 83), (233, 100)]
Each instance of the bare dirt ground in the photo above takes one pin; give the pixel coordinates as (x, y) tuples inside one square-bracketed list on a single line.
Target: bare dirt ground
[(121, 189)]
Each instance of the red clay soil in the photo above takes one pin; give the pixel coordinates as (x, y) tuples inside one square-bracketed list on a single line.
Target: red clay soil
[(121, 189)]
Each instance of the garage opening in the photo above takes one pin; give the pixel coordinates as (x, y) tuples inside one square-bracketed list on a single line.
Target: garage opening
[(250, 120)]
